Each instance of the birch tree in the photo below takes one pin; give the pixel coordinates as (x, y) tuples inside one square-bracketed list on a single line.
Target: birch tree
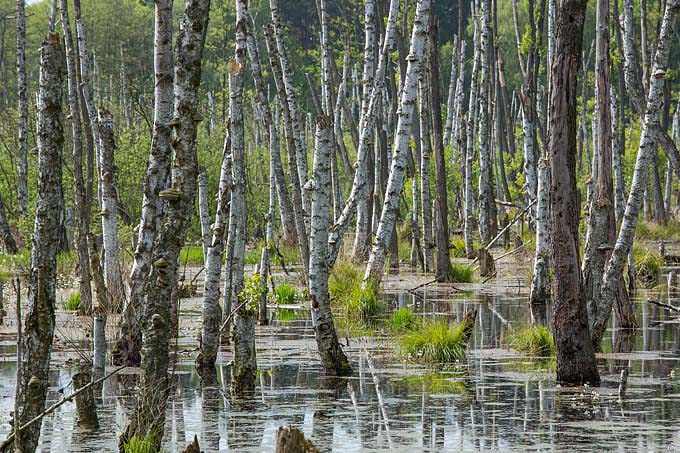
[(128, 345), (31, 390), (648, 143), (425, 153), (395, 182), (575, 354), (179, 204), (22, 108), (470, 145)]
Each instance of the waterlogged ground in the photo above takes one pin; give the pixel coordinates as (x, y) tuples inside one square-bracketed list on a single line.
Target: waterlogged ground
[(497, 400)]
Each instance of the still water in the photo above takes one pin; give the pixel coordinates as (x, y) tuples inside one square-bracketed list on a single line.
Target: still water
[(497, 400)]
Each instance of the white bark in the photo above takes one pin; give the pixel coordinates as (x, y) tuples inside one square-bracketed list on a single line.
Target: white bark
[(366, 128), (451, 100), (470, 148), (455, 130), (617, 159), (203, 211), (540, 282), (395, 182), (647, 146), (109, 212), (425, 154)]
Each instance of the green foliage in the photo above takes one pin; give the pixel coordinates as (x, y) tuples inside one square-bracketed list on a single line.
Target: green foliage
[(73, 302), (435, 341), (286, 294), (458, 247), (460, 273), (253, 290), (138, 444), (192, 255), (403, 319), (647, 266), (535, 340), (657, 232), (364, 304), (289, 314), (344, 278)]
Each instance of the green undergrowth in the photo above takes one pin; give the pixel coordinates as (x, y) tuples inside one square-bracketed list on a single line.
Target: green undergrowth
[(350, 297), (647, 266), (458, 247), (657, 232), (138, 444), (193, 254), (73, 302), (460, 273), (434, 341), (403, 319), (536, 341), (21, 262), (286, 294)]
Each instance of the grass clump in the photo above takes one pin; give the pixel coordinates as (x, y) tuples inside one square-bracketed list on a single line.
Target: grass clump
[(286, 294), (344, 279), (458, 247), (364, 304), (403, 319), (535, 340), (138, 444), (73, 302), (460, 273), (647, 266), (436, 341), (192, 255)]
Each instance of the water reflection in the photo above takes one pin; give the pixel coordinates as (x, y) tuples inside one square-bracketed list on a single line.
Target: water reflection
[(497, 400)]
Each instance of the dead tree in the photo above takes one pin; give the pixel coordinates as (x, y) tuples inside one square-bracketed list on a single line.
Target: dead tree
[(22, 107), (31, 390)]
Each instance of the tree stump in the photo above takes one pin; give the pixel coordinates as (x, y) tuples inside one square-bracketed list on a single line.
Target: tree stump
[(487, 267), (469, 322), (292, 440), (193, 447), (85, 401)]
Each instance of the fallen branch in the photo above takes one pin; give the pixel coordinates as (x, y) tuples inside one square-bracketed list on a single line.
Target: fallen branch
[(7, 442), (661, 304), (231, 315), (517, 217)]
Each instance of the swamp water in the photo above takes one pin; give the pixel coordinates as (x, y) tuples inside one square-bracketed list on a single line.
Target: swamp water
[(497, 400)]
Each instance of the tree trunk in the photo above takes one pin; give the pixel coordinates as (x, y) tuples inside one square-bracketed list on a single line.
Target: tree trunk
[(5, 231), (441, 198), (39, 325), (210, 340), (80, 199), (128, 346), (575, 354), (204, 211), (388, 217), (179, 206), (291, 140), (451, 99), (425, 153), (648, 145), (540, 282), (109, 212), (470, 147), (333, 358), (245, 367), (286, 207), (22, 107)]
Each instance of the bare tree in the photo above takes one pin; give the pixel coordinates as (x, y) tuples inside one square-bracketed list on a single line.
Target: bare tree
[(31, 391), (575, 353), (22, 107)]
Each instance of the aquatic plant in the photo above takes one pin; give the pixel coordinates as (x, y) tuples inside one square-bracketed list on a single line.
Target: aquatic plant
[(460, 273), (73, 302), (138, 444), (343, 280), (286, 294), (535, 340), (458, 247), (364, 304), (437, 341), (288, 314), (647, 266), (403, 319)]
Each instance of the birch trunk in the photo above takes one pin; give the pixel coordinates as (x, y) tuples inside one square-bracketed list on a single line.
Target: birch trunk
[(441, 230), (362, 241), (210, 330), (470, 147), (451, 99), (245, 367), (540, 282), (204, 211), (265, 256), (292, 149), (179, 206), (22, 108), (271, 136), (487, 203), (109, 212), (648, 144), (575, 355), (366, 128), (333, 358), (376, 261), (5, 232), (128, 346), (80, 197), (617, 158), (425, 153), (31, 391), (455, 130)]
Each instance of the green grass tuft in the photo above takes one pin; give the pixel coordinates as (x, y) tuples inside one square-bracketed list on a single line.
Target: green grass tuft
[(286, 294), (344, 279), (435, 341), (364, 304), (535, 340), (403, 319), (73, 302), (139, 445), (647, 266), (458, 247), (460, 273), (192, 255)]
